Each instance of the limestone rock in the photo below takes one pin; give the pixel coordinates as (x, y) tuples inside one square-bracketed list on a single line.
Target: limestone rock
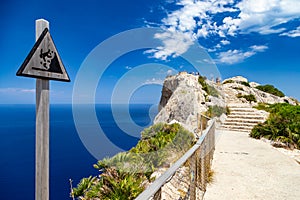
[(236, 88), (182, 100), (253, 84), (237, 79)]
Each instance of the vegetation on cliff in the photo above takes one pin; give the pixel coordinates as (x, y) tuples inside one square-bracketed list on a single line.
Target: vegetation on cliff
[(245, 83), (228, 81), (250, 97), (126, 175), (210, 90), (271, 90), (283, 124), (217, 111)]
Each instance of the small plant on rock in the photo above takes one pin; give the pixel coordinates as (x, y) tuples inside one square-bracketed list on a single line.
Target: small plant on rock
[(271, 90), (250, 97)]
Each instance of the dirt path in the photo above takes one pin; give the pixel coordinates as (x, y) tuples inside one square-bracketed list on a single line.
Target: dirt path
[(246, 168)]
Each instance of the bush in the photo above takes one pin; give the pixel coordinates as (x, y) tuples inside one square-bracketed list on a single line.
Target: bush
[(282, 125), (228, 81), (271, 90), (125, 175), (245, 83), (217, 111), (210, 90), (250, 97), (238, 88), (263, 106)]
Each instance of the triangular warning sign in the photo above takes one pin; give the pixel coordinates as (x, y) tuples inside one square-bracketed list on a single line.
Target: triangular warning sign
[(43, 61)]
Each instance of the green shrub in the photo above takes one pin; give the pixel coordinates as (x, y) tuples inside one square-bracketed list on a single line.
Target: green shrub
[(202, 80), (282, 125), (245, 83), (217, 111), (210, 90), (250, 97), (271, 90), (238, 88), (125, 175), (228, 81), (83, 186), (263, 106)]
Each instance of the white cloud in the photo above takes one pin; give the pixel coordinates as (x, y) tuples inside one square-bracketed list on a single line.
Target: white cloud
[(195, 19), (128, 67), (16, 90), (225, 42), (169, 72), (293, 33), (28, 90), (182, 27), (153, 81), (237, 56), (262, 16), (175, 43), (259, 48), (233, 56), (211, 50)]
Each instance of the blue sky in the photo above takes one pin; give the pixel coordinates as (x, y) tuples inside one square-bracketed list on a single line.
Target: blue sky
[(256, 39)]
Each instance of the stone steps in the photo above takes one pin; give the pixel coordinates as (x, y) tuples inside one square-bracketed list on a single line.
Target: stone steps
[(248, 117), (238, 123), (243, 118), (242, 129)]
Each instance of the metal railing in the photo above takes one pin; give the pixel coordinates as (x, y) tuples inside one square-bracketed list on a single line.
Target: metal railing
[(194, 167)]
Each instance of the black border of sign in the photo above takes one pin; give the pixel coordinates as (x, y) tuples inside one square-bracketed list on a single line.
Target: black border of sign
[(29, 56)]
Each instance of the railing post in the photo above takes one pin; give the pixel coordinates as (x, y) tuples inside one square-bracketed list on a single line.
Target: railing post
[(157, 195), (198, 172), (193, 176), (202, 172)]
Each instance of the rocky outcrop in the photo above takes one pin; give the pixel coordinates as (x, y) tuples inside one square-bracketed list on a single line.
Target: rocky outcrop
[(235, 86), (182, 100)]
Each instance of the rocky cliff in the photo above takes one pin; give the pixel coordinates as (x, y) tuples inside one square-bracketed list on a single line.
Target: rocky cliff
[(184, 98)]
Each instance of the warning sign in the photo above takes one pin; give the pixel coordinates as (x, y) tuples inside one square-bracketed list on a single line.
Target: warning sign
[(43, 61)]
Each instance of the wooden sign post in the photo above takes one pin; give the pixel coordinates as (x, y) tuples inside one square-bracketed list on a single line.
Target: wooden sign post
[(43, 63), (42, 129)]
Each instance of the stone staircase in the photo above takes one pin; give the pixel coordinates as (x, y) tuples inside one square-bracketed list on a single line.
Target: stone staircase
[(243, 118)]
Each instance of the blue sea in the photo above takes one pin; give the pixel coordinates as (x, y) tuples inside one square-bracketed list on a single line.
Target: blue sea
[(69, 159)]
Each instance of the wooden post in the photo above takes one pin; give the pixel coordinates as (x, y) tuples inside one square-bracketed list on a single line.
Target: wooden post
[(42, 129)]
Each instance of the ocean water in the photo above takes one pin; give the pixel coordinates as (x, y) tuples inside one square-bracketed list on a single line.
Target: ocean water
[(69, 159)]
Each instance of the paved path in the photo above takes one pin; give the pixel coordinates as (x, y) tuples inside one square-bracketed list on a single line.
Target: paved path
[(246, 168)]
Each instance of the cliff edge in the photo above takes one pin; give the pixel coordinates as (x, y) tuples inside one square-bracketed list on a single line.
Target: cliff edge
[(182, 100)]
